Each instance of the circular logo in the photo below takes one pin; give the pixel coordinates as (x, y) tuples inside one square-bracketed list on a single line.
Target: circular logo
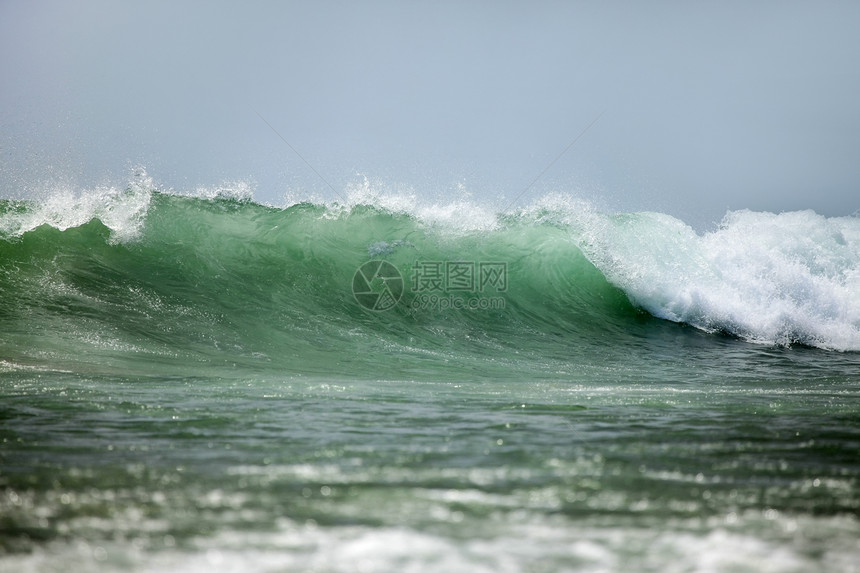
[(377, 285)]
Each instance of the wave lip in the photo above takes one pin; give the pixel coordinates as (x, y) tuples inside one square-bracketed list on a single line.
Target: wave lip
[(770, 278)]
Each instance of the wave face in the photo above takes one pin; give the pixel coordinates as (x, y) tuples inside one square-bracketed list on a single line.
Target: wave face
[(141, 275)]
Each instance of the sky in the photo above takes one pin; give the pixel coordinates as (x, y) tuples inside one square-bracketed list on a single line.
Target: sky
[(689, 108)]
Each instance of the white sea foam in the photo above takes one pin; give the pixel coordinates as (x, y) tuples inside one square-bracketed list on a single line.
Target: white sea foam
[(520, 545), (772, 278)]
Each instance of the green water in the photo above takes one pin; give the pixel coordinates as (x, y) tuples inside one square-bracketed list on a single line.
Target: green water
[(473, 474), (190, 385)]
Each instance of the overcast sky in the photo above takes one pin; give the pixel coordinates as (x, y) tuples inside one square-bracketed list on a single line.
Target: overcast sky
[(708, 105)]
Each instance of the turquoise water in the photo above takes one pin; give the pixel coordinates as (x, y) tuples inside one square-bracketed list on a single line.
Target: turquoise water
[(198, 383)]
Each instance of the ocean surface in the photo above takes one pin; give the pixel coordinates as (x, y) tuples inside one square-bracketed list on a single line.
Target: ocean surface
[(200, 382)]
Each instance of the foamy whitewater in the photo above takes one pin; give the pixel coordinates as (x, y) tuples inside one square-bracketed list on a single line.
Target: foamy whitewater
[(193, 381)]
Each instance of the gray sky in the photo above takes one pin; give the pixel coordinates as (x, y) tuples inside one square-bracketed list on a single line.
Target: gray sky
[(708, 105)]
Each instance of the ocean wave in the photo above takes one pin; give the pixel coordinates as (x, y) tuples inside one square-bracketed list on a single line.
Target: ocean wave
[(211, 267)]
